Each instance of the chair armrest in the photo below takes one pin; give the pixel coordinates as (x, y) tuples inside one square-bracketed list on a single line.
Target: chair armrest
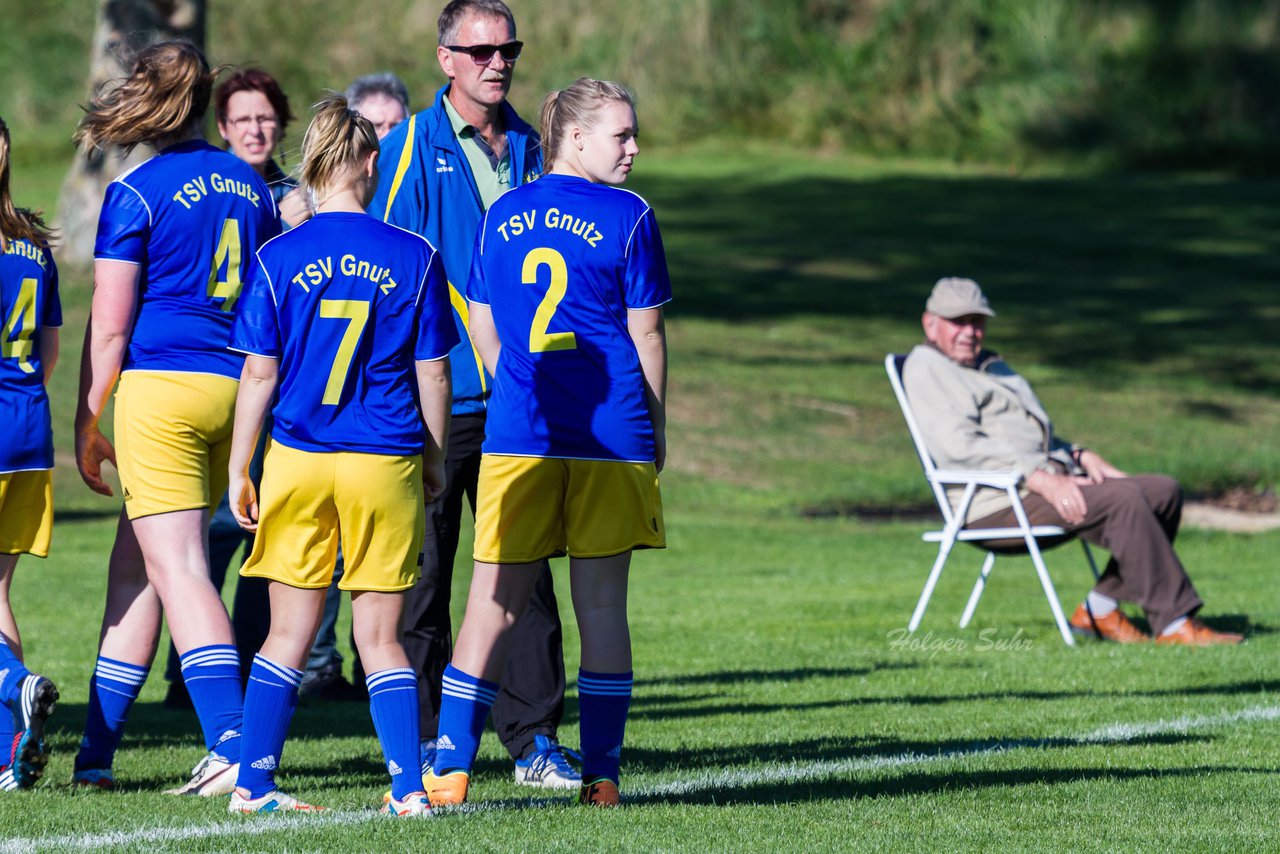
[(996, 479)]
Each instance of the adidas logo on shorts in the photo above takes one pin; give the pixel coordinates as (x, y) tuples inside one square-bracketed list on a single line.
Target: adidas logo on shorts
[(266, 763), (443, 743), (393, 768)]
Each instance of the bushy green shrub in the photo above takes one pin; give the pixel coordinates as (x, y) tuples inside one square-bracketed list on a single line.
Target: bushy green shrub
[(1122, 83)]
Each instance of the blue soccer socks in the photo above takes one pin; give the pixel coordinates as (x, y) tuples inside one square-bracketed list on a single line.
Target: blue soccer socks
[(112, 690), (269, 704), (464, 705), (11, 675), (393, 704), (212, 676), (603, 701), (12, 672)]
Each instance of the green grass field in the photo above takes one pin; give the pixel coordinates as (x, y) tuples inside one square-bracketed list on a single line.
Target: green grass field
[(778, 702)]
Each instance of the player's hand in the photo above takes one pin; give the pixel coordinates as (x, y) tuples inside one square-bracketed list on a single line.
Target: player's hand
[(1063, 494), (243, 499), (659, 449), (91, 449), (433, 480), (1097, 469), (294, 210)]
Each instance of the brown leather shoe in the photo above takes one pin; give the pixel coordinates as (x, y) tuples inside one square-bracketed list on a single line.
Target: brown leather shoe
[(1112, 627), (1195, 633)]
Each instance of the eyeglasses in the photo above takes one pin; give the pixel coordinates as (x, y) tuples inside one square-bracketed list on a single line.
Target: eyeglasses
[(243, 122), (482, 54)]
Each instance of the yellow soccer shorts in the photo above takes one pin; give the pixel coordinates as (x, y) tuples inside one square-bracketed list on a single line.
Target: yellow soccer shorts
[(309, 501), (173, 440), (530, 508), (26, 512)]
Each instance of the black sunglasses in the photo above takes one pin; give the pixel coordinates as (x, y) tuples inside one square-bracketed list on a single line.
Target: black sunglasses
[(482, 54)]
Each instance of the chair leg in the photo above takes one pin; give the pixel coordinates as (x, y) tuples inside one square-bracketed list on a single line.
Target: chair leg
[(978, 587), (1088, 553), (944, 549), (1050, 593)]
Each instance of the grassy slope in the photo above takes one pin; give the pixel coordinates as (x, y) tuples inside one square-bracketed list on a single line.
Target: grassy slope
[(1139, 307), (766, 640)]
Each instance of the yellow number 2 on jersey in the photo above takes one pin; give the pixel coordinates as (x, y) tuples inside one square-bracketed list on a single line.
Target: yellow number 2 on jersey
[(541, 341), (20, 326), (228, 254), (356, 313)]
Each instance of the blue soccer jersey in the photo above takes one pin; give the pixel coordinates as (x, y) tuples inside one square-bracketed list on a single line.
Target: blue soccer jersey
[(190, 217), (28, 304), (559, 261), (347, 304)]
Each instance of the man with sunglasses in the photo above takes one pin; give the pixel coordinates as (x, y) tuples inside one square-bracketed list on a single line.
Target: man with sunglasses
[(440, 171)]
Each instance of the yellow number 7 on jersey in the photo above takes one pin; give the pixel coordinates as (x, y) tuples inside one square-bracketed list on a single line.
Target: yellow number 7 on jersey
[(541, 341), (22, 320), (356, 313)]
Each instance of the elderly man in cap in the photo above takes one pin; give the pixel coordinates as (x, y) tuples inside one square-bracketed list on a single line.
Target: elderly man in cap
[(977, 414)]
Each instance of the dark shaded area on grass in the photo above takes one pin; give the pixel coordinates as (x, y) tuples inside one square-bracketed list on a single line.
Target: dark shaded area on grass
[(792, 674), (841, 789), (890, 751), (1099, 274)]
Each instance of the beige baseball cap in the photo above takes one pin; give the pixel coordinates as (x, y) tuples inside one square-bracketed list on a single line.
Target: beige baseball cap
[(954, 297)]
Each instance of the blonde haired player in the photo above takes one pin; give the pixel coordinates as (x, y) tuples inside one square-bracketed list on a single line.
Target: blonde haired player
[(566, 297), (349, 318)]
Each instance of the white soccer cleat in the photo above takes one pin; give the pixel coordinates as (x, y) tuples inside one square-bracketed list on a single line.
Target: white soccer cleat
[(275, 801), (212, 777), (548, 766), (415, 803)]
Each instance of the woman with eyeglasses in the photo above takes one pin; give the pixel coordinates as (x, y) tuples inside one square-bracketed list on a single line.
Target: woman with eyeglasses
[(349, 317), (174, 237), (252, 112), (565, 299)]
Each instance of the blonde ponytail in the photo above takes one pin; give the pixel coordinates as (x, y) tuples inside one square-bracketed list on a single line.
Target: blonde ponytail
[(575, 106), (336, 142)]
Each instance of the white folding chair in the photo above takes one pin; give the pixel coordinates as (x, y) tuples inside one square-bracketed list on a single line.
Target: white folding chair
[(954, 530)]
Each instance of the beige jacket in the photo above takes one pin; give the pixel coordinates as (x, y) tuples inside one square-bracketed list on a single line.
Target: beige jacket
[(984, 418)]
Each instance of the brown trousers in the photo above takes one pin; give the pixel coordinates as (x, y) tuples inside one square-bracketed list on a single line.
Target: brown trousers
[(1136, 519)]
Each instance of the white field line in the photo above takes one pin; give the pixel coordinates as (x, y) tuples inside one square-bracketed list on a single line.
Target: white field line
[(241, 826), (800, 771), (708, 780)]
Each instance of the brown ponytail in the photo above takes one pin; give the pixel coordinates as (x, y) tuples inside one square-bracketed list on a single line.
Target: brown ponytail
[(16, 223), (166, 93)]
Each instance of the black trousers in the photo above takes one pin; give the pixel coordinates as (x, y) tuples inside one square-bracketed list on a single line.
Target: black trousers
[(531, 699)]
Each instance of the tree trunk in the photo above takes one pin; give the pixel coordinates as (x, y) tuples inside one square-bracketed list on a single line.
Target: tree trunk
[(124, 28)]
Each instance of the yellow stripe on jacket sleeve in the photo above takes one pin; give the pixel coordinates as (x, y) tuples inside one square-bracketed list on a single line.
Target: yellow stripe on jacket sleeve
[(406, 157), (460, 306)]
